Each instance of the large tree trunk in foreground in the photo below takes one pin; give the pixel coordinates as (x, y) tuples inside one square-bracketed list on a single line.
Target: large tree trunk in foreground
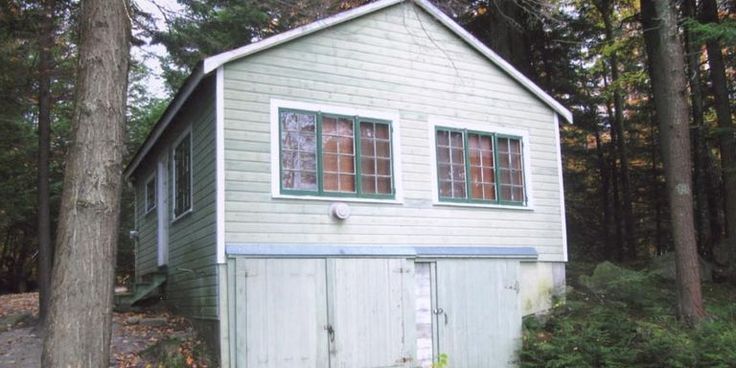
[(45, 250), (80, 313), (667, 72), (726, 137)]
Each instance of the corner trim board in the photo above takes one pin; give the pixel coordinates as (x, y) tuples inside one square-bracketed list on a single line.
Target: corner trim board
[(563, 221), (220, 163)]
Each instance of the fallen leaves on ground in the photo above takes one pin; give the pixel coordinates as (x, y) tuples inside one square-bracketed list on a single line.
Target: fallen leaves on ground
[(134, 335), (26, 303)]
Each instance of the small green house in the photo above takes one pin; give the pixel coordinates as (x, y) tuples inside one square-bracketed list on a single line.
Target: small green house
[(375, 189)]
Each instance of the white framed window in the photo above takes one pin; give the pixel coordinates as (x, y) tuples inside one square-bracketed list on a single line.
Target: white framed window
[(476, 164), (150, 193), (334, 153), (182, 175)]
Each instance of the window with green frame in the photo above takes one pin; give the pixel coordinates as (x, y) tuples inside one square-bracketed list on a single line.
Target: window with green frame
[(479, 167), (334, 155)]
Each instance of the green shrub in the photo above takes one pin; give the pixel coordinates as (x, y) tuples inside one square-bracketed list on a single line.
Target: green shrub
[(624, 318)]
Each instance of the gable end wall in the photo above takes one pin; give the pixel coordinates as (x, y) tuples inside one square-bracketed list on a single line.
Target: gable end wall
[(398, 61)]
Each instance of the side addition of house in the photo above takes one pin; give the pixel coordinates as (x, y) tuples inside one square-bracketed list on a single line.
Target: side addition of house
[(375, 189)]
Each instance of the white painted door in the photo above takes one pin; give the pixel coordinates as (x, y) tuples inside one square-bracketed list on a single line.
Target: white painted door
[(162, 208), (477, 312), (285, 314), (370, 301)]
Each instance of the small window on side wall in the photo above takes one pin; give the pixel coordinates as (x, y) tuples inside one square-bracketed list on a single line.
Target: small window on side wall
[(333, 155), (150, 193), (182, 174), (480, 167)]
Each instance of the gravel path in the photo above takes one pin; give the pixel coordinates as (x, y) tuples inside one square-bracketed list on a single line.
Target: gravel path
[(132, 333)]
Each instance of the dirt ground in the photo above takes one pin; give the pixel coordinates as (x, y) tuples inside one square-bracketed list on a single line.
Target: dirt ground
[(153, 338)]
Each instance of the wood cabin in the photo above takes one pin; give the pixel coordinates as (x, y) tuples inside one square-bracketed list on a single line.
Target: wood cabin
[(375, 189)]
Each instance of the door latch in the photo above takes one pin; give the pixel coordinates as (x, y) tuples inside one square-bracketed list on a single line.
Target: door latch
[(438, 311), (330, 332)]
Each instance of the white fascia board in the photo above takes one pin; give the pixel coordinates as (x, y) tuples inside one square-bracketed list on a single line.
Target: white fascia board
[(563, 218), (213, 62), (220, 163), (495, 58), (174, 107)]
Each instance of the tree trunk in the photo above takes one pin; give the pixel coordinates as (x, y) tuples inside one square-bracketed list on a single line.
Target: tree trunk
[(45, 250), (700, 156), (669, 86), (80, 312), (726, 135), (604, 189), (605, 8)]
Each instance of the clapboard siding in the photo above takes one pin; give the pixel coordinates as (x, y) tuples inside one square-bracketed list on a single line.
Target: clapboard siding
[(191, 286), (146, 253), (388, 61)]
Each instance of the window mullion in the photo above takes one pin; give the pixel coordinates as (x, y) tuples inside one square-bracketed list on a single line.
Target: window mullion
[(496, 169), (466, 152), (318, 139), (356, 157)]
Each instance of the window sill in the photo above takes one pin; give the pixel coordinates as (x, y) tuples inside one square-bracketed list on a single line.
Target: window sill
[(337, 199), (181, 216), (482, 205)]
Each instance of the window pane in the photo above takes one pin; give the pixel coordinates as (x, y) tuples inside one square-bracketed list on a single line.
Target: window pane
[(451, 163), (151, 193), (511, 175), (182, 176), (384, 167), (368, 184), (330, 182), (338, 159), (481, 166), (383, 185), (375, 158), (298, 150), (346, 183)]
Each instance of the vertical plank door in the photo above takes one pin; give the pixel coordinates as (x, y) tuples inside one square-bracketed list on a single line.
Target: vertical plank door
[(372, 302), (284, 316), (478, 312)]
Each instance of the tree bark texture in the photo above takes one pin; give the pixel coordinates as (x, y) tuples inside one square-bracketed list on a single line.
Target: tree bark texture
[(45, 249), (669, 85), (727, 133), (80, 312)]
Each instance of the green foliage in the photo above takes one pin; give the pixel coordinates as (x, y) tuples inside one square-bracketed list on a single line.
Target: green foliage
[(614, 283), (604, 326), (442, 361), (724, 31)]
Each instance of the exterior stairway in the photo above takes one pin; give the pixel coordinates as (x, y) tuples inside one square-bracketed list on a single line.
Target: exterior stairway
[(149, 287)]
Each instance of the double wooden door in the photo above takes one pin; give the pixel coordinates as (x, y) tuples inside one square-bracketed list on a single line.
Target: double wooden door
[(346, 313)]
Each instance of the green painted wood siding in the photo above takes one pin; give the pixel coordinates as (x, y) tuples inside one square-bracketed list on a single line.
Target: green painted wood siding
[(399, 60), (192, 279)]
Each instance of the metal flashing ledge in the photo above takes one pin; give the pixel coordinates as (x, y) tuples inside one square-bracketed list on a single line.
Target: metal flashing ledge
[(370, 251)]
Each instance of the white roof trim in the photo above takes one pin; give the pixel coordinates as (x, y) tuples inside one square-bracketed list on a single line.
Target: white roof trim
[(213, 62), (191, 83)]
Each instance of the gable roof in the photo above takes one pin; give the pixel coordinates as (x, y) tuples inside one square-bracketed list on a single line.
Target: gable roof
[(210, 64)]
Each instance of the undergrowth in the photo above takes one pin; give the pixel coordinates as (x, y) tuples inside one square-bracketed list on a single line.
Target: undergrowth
[(623, 318)]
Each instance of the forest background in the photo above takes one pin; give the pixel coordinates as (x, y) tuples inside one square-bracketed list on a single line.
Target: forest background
[(589, 54)]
